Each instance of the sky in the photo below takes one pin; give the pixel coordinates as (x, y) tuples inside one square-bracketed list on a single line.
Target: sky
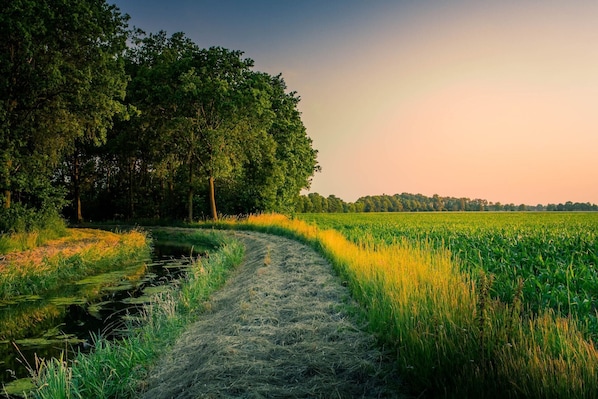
[(481, 99)]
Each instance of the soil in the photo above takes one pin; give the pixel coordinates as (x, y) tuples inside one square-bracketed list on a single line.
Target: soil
[(282, 327)]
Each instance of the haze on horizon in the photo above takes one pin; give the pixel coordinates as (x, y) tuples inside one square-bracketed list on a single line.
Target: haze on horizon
[(492, 100)]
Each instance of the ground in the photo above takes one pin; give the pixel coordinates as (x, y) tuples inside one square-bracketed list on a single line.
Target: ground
[(282, 327)]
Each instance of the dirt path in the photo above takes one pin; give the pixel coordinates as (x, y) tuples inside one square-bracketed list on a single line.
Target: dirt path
[(278, 329)]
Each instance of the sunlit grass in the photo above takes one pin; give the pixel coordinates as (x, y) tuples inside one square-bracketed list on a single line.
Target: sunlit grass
[(117, 369), (451, 337), (22, 240), (60, 261), (555, 254)]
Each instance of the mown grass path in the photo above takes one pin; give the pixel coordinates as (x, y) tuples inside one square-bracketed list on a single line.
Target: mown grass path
[(279, 328)]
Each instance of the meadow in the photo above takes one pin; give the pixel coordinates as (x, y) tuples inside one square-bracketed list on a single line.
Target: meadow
[(52, 263), (493, 305), (442, 314)]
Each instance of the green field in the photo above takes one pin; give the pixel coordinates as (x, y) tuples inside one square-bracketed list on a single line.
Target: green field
[(555, 254)]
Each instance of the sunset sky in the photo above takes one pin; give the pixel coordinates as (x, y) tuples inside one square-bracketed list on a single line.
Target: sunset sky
[(480, 99)]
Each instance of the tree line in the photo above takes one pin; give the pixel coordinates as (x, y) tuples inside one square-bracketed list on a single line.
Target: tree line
[(102, 121), (405, 202)]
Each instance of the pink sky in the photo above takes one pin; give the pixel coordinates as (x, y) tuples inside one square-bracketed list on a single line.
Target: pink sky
[(495, 100), (498, 104)]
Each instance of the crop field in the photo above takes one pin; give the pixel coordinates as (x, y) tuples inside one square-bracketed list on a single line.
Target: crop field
[(471, 304), (553, 255)]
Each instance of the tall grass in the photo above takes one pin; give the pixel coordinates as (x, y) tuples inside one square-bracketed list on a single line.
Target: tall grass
[(22, 229), (451, 337), (84, 252), (555, 254), (117, 369)]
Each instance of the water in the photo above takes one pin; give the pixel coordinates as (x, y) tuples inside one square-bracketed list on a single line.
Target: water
[(64, 321)]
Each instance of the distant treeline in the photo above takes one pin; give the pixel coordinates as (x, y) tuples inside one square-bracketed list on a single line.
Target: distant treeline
[(405, 202)]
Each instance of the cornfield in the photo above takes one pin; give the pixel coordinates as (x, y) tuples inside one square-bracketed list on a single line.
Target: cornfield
[(472, 304)]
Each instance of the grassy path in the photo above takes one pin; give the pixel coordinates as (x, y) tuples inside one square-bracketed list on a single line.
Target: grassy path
[(279, 328)]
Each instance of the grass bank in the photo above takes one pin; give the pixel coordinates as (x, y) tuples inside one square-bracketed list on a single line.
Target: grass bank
[(79, 253), (451, 338), (24, 240), (117, 369)]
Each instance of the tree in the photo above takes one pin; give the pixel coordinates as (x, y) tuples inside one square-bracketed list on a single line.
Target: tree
[(222, 113), (61, 79), (278, 169), (210, 120)]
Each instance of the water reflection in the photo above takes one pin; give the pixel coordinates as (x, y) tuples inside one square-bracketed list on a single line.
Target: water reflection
[(65, 319)]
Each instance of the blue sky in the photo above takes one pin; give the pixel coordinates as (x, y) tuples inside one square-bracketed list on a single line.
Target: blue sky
[(493, 100)]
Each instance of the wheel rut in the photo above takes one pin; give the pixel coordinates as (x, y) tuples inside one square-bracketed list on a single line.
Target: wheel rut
[(279, 328)]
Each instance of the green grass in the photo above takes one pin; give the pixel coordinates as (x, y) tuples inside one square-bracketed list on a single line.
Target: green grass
[(49, 227), (451, 337), (200, 241), (35, 273), (554, 254), (117, 369)]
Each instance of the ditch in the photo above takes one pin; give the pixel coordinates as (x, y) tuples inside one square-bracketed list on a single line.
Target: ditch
[(67, 320)]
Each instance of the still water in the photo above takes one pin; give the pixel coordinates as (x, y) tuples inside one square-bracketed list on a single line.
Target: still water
[(65, 321)]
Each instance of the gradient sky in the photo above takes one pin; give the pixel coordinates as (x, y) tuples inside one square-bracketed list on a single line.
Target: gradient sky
[(480, 99)]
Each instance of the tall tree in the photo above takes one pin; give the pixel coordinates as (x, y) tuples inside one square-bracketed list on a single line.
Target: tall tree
[(273, 178), (207, 120), (223, 113), (61, 79)]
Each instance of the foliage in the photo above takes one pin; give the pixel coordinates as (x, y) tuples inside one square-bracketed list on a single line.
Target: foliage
[(23, 228), (206, 126), (194, 122), (61, 79), (451, 338), (405, 202), (116, 369)]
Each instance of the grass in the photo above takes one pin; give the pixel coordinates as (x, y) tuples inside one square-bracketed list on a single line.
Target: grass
[(48, 228), (117, 369), (452, 338), (81, 253), (198, 241), (555, 255), (29, 240)]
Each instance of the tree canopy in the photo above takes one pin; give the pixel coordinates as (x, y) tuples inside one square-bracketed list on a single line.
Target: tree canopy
[(117, 123), (405, 202), (61, 79)]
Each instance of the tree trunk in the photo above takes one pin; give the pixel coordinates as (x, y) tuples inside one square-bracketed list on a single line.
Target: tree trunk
[(7, 198), (190, 195), (190, 205), (7, 192), (77, 187), (131, 191), (213, 200)]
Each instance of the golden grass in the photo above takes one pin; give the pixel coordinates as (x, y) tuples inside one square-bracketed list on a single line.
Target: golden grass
[(72, 256), (451, 338), (78, 240)]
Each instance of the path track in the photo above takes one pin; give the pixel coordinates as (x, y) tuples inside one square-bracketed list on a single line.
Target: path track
[(277, 329)]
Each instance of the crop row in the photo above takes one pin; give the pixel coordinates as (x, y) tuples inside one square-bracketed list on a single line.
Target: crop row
[(554, 255)]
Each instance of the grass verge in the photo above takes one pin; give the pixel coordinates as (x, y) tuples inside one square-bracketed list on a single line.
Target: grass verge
[(117, 369), (451, 338), (28, 240), (81, 253)]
